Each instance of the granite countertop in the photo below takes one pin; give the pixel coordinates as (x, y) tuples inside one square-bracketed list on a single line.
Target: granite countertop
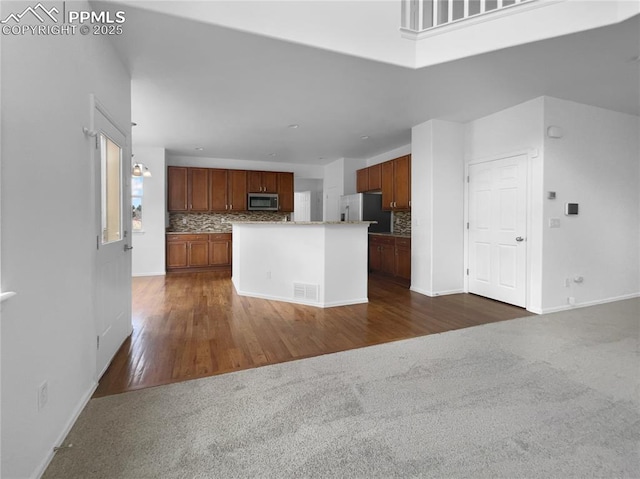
[(297, 223)]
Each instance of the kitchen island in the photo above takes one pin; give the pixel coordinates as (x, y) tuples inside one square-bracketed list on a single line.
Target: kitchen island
[(321, 264)]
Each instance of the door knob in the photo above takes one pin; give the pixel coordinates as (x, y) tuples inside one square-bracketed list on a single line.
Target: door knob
[(519, 239), (127, 247)]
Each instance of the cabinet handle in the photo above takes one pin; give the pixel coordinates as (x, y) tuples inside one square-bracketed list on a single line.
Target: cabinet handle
[(390, 204), (230, 207)]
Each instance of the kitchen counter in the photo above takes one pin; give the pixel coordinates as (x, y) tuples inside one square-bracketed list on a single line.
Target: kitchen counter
[(198, 232), (306, 223), (397, 235)]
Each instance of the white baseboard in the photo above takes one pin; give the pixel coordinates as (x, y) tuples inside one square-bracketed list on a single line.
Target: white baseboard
[(316, 304), (567, 307), (139, 275), (84, 400), (433, 294)]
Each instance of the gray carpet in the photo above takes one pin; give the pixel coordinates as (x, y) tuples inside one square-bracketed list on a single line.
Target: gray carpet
[(548, 396)]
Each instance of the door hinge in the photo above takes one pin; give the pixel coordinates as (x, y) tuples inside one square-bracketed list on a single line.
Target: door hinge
[(467, 178), (467, 271), (97, 241), (97, 342), (467, 225)]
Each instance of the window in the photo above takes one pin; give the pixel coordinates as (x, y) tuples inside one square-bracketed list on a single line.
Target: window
[(111, 174), (137, 183)]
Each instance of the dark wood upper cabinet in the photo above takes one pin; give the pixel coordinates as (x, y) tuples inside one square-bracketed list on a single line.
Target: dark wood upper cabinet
[(262, 182), (396, 184), (177, 188), (387, 185), (218, 190), (369, 179), (285, 192), (237, 190), (218, 200), (198, 187), (362, 180), (375, 177), (402, 183)]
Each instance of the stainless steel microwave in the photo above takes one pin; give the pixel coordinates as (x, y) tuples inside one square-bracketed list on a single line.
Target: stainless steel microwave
[(263, 201)]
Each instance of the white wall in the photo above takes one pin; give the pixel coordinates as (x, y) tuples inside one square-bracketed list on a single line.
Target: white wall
[(49, 232), (437, 208), (515, 130), (596, 164), (148, 255), (389, 155)]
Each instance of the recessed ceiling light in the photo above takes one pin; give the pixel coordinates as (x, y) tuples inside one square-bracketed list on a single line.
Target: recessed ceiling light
[(364, 137), (293, 126), (199, 148), (272, 154)]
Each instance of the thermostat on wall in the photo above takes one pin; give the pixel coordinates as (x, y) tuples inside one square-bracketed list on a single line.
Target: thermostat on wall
[(571, 209)]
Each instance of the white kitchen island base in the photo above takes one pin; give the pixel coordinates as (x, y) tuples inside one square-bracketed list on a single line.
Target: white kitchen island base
[(320, 264)]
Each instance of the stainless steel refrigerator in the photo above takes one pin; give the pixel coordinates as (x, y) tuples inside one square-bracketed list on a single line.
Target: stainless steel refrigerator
[(366, 207)]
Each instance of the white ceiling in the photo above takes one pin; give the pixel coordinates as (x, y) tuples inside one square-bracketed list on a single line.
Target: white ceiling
[(235, 93)]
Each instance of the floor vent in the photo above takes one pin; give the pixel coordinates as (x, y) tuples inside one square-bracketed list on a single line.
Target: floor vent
[(305, 291)]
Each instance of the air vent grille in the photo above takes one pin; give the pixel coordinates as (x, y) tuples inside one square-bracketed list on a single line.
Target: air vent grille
[(308, 292)]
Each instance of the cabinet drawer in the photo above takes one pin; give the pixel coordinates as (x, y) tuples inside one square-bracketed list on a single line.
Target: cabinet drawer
[(187, 237), (406, 242), (220, 237), (377, 239)]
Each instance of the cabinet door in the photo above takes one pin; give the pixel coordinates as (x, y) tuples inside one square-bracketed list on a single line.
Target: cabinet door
[(237, 190), (270, 181), (218, 190), (403, 262), (362, 180), (198, 253), (177, 188), (285, 192), (387, 185), (220, 253), (374, 178), (176, 254), (198, 189), (375, 262), (254, 182), (388, 259), (402, 178)]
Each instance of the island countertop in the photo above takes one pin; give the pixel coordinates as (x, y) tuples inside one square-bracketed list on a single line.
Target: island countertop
[(302, 222)]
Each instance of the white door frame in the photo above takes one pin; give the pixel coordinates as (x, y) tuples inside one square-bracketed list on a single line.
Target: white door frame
[(530, 153)]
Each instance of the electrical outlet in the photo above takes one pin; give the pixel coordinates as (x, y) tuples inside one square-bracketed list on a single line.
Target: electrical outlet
[(43, 395), (571, 300)]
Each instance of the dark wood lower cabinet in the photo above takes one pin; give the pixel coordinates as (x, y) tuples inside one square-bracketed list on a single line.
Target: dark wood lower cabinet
[(391, 256), (198, 252)]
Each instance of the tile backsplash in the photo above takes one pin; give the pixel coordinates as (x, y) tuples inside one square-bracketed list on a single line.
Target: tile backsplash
[(402, 222), (217, 222)]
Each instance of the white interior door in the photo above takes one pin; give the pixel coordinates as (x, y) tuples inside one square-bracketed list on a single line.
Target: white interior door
[(302, 206), (112, 296), (497, 229)]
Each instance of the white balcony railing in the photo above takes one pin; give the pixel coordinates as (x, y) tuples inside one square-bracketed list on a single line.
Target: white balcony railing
[(419, 16)]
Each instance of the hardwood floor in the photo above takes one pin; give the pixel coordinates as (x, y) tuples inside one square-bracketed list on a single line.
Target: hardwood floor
[(193, 325)]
